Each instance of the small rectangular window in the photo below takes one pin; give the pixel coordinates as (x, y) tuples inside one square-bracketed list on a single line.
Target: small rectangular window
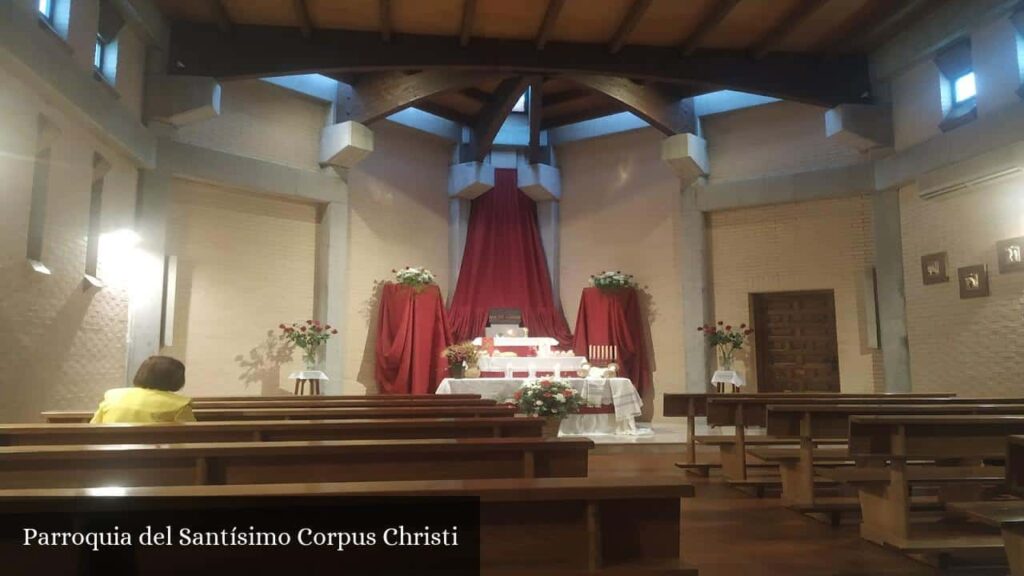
[(964, 88), (97, 57), (46, 9)]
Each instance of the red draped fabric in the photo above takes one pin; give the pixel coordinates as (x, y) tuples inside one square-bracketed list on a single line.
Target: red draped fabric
[(612, 317), (504, 267), (412, 334)]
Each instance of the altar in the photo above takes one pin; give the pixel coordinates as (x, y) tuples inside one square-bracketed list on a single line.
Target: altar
[(611, 404), (526, 355)]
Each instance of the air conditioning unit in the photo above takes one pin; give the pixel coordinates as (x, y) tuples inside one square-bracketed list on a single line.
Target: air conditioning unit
[(968, 174)]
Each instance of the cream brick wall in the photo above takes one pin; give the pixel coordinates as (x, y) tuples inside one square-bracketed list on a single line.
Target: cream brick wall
[(621, 211), (398, 216), (263, 121), (973, 346), (819, 245), (245, 265), (773, 139), (60, 346)]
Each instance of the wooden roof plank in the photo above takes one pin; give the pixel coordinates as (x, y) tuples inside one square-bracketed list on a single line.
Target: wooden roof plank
[(548, 24), (628, 24), (800, 12), (718, 12)]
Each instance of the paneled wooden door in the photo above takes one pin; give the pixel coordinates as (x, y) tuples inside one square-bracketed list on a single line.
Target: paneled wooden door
[(795, 339)]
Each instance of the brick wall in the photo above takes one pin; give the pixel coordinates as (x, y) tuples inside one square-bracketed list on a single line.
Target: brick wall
[(824, 244), (61, 345), (245, 265), (973, 346)]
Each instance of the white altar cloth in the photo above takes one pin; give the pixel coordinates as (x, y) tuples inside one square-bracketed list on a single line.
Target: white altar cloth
[(567, 364), (619, 392), (520, 341)]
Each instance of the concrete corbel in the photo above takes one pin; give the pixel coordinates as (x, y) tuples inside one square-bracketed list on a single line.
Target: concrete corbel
[(182, 100), (344, 145), (862, 126), (542, 182), (687, 155), (470, 179)]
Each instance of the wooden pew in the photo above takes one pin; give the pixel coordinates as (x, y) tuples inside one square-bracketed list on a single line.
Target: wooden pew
[(270, 431), (537, 526), (812, 423), (83, 466), (318, 413), (725, 410), (346, 397), (306, 403), (1006, 515), (693, 405), (886, 446)]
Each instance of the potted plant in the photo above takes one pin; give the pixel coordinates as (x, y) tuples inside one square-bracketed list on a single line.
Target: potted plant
[(611, 280), (550, 399), (459, 357), (727, 340), (308, 336), (415, 277)]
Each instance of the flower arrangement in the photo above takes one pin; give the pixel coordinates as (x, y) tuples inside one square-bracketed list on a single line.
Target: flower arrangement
[(462, 354), (308, 336), (611, 280), (727, 339), (547, 397), (414, 277)]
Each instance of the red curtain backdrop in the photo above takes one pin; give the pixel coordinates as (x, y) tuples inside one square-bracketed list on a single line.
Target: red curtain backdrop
[(504, 267), (412, 334), (612, 317)]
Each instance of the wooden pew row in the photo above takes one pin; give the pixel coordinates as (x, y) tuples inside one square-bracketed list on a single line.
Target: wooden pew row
[(317, 413), (810, 424), (599, 520), (270, 431), (743, 412), (304, 403), (85, 466), (346, 397), (693, 405), (885, 448), (1006, 515)]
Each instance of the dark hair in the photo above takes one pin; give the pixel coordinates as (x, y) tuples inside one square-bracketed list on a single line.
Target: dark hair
[(160, 373)]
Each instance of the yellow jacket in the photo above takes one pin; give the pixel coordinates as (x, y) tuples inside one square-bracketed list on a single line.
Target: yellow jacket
[(137, 405)]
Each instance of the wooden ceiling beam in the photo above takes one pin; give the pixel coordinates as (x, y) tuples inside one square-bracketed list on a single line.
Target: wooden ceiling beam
[(258, 51), (548, 24), (444, 112), (714, 16), (793, 18), (492, 116), (565, 96), (378, 95), (468, 16), (873, 20), (385, 20), (628, 24), (305, 22), (221, 17), (477, 94), (667, 114)]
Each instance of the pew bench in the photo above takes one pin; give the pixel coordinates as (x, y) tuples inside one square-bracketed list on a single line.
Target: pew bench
[(87, 466), (347, 397), (593, 526), (381, 402), (227, 414), (1008, 517), (270, 431)]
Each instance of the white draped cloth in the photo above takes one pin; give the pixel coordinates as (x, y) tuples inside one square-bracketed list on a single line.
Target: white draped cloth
[(619, 392)]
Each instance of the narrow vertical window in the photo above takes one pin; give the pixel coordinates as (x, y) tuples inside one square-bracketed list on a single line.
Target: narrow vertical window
[(100, 166), (105, 54), (1017, 18), (46, 10), (46, 133)]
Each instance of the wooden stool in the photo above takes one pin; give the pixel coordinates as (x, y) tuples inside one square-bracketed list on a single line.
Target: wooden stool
[(312, 376)]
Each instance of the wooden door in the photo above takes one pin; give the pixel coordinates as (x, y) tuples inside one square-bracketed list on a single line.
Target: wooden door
[(795, 339)]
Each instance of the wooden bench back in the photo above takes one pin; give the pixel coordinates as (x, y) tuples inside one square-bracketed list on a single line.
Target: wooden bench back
[(832, 422), (1015, 464), (303, 403), (932, 437), (81, 466), (346, 397), (678, 404), (270, 431), (724, 410), (318, 413)]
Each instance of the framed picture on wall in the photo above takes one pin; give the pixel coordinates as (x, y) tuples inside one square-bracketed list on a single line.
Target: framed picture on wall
[(1011, 255), (933, 268), (973, 281)]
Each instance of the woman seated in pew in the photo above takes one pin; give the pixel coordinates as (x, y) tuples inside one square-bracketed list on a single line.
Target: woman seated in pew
[(152, 399)]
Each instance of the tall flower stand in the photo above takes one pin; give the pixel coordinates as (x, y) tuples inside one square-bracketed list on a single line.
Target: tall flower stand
[(722, 377), (312, 376)]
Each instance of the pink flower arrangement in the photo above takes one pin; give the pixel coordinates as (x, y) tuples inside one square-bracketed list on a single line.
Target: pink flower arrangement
[(547, 397)]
